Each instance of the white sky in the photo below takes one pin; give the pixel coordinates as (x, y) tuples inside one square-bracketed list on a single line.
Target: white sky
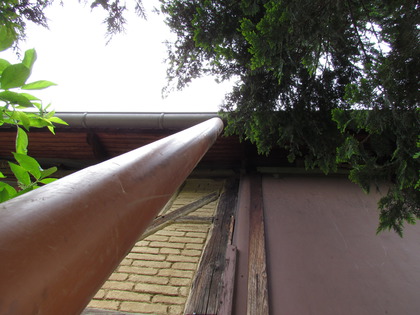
[(127, 75)]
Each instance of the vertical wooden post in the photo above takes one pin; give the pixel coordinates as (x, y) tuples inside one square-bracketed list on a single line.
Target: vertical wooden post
[(257, 269), (208, 285)]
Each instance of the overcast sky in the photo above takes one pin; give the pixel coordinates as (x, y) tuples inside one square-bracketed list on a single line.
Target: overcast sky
[(126, 75)]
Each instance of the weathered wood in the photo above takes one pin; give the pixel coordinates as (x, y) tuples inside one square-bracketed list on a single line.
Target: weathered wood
[(257, 269), (164, 220), (228, 282), (231, 230), (207, 287)]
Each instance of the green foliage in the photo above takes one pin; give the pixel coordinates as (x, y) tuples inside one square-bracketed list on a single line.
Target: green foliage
[(333, 82), (23, 111)]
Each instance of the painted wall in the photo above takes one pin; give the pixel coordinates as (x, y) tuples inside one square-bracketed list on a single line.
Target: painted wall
[(323, 254)]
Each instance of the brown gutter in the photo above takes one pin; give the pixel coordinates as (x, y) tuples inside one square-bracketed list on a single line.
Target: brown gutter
[(59, 243)]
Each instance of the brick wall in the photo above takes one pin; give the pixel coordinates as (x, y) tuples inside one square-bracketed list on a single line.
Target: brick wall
[(155, 277)]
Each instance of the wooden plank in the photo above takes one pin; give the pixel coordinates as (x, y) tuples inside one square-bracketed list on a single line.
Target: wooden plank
[(207, 287), (228, 282), (164, 220), (257, 270)]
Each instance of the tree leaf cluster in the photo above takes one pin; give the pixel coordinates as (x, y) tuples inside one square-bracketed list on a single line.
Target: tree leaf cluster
[(333, 82), (22, 110)]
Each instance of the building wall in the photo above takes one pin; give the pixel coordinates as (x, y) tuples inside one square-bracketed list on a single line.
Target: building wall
[(324, 256), (155, 277)]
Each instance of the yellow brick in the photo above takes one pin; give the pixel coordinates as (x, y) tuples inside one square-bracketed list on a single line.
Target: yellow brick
[(192, 227), (168, 245), (128, 296), (191, 252), (184, 291), (137, 256), (183, 239), (108, 305), (152, 264), (158, 238), (100, 294), (170, 251), (202, 214), (180, 281), (194, 246), (182, 258), (175, 309), (118, 285), (170, 233), (118, 276), (154, 288), (126, 262), (138, 270), (143, 308), (184, 266), (145, 250), (168, 299), (176, 273), (143, 243), (149, 279)]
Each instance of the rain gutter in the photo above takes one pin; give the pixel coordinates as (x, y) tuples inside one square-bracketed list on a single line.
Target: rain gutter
[(144, 121)]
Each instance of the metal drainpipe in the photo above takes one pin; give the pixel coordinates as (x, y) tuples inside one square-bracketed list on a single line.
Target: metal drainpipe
[(59, 243)]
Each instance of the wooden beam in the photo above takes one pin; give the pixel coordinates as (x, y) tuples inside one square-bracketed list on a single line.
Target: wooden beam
[(257, 269), (207, 288), (164, 220), (228, 282)]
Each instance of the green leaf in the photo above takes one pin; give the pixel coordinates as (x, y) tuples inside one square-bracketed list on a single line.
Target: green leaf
[(30, 97), (38, 85), (24, 120), (21, 141), (2, 175), (37, 105), (58, 121), (15, 98), (7, 37), (29, 164), (29, 58), (6, 192), (20, 173), (3, 65), (48, 172), (39, 122), (14, 76), (48, 180)]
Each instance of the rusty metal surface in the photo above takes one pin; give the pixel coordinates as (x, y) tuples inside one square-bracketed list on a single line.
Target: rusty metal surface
[(59, 243)]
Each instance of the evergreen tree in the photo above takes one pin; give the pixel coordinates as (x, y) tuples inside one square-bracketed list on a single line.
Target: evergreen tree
[(333, 82)]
